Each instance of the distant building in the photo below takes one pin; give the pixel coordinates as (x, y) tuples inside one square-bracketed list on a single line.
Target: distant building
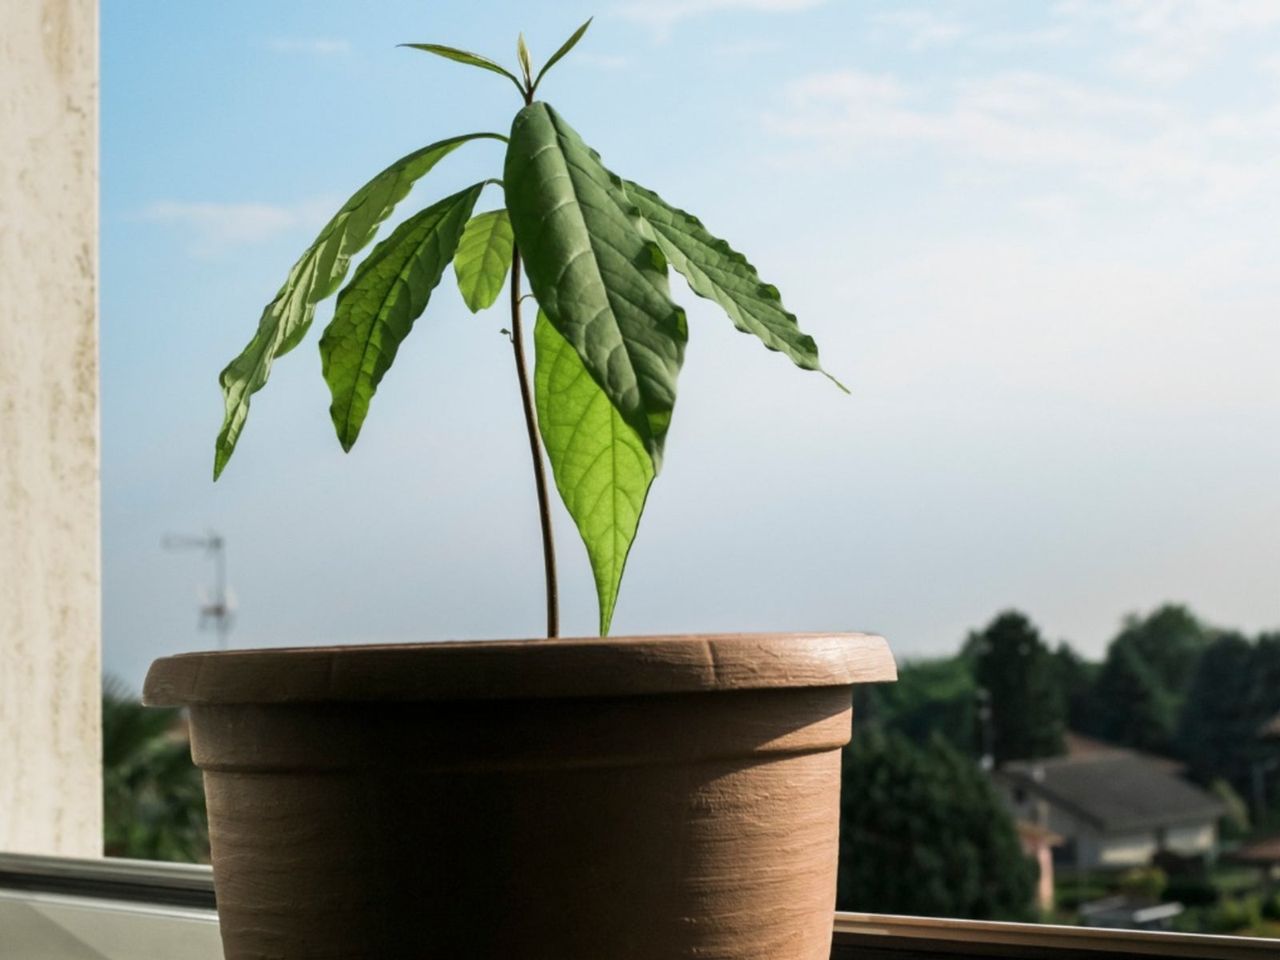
[(1265, 856), (1113, 808)]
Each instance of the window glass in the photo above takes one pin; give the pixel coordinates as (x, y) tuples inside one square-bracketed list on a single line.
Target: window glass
[(1037, 241)]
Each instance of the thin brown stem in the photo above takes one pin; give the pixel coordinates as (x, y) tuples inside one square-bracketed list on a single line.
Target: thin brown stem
[(535, 450)]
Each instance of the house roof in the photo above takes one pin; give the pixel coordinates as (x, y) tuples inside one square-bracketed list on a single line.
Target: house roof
[(1117, 790), (1078, 745)]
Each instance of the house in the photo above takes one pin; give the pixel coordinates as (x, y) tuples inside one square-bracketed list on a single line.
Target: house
[(1037, 843), (1114, 808), (1264, 855)]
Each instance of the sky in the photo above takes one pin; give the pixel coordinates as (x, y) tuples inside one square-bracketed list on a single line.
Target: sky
[(1037, 241)]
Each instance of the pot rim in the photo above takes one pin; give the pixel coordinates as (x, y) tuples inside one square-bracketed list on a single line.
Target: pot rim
[(519, 669)]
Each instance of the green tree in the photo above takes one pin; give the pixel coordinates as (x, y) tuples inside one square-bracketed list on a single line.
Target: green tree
[(929, 697), (1134, 708), (1169, 640), (1076, 678), (1264, 695), (922, 832), (1218, 726), (1014, 666), (153, 801)]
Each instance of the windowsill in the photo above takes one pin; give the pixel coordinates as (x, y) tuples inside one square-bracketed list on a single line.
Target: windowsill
[(928, 936), (156, 902)]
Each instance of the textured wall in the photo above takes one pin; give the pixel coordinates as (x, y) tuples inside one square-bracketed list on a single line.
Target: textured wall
[(50, 630)]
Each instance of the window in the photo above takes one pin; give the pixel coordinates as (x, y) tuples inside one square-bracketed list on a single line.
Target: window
[(1040, 244)]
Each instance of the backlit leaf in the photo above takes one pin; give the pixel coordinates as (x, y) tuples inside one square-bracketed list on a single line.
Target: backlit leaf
[(719, 273), (526, 62), (467, 57), (601, 468), (602, 284), (377, 309), (483, 258), (559, 54), (317, 274)]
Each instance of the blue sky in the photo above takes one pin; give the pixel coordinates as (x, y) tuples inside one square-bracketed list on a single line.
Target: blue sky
[(1037, 240)]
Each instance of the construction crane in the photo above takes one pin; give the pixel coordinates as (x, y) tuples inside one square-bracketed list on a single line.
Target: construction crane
[(215, 612)]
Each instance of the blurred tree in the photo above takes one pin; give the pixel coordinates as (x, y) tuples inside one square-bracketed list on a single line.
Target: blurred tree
[(1218, 726), (1133, 707), (153, 800), (1076, 678), (930, 696), (1169, 641), (1235, 823), (1013, 664), (922, 832)]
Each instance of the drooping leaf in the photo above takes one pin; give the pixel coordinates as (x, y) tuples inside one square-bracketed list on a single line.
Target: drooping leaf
[(483, 258), (564, 48), (317, 274), (377, 309), (719, 273), (602, 284), (465, 56), (601, 468)]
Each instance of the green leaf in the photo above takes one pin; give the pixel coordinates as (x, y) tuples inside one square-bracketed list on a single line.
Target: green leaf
[(465, 56), (564, 48), (526, 63), (601, 283), (483, 257), (719, 273), (317, 274), (377, 309), (601, 468)]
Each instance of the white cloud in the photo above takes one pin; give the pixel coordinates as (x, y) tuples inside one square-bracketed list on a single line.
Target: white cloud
[(320, 46), (1053, 209), (211, 228), (661, 15), (1167, 40), (1135, 148), (1155, 41), (923, 29)]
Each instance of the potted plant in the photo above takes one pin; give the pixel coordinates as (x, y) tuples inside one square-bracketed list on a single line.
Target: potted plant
[(643, 798)]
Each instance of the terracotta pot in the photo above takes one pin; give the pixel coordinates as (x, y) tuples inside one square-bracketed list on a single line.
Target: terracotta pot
[(649, 798)]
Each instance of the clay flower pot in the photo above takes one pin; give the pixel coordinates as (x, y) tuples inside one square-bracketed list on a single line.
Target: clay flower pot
[(649, 798)]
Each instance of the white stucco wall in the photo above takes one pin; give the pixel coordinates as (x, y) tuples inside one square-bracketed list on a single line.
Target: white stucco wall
[(1193, 839), (1121, 850), (50, 749)]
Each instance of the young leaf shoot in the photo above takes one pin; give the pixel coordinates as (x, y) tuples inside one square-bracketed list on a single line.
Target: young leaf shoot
[(608, 341)]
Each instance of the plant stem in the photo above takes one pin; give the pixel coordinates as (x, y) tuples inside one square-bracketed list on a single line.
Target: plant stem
[(535, 450)]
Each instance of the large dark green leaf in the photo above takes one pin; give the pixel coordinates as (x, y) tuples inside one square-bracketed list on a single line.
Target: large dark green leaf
[(467, 57), (719, 273), (316, 275), (601, 468), (377, 309), (602, 284), (483, 258)]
